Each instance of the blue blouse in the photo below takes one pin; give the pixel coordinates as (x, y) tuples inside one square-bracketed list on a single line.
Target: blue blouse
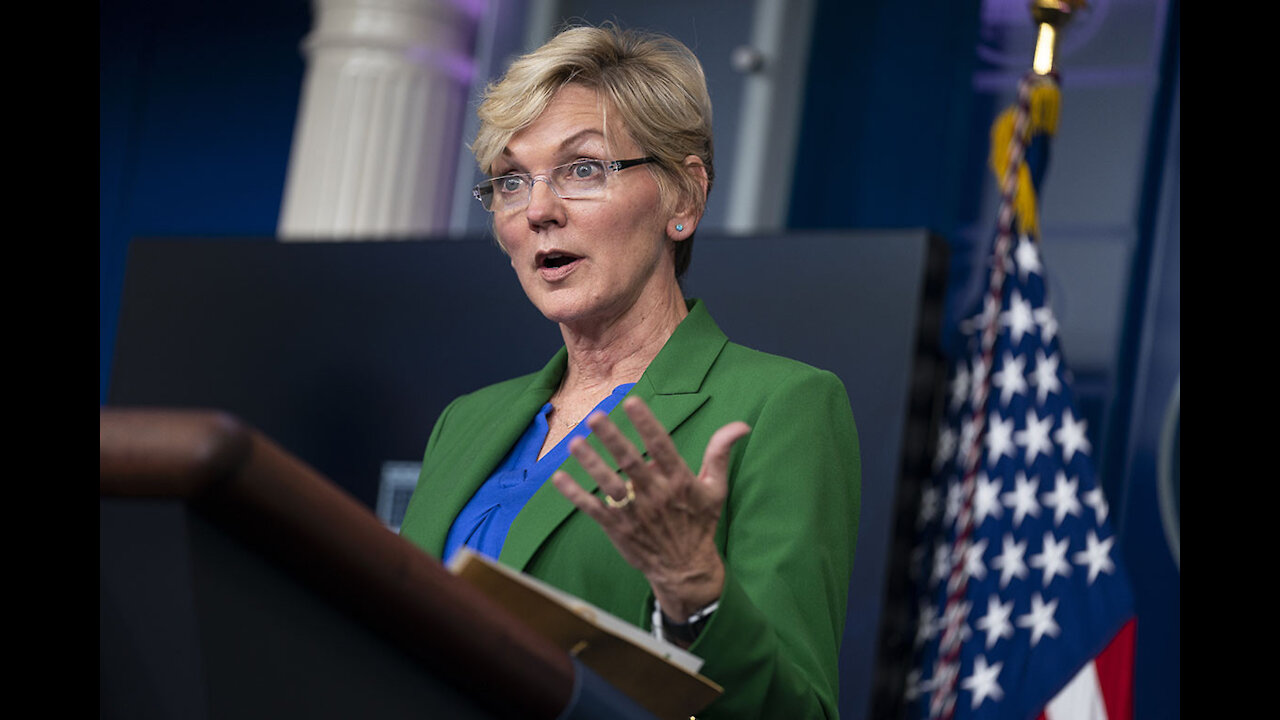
[(484, 522)]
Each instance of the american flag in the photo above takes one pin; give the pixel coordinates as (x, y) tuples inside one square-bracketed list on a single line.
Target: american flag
[(1024, 609)]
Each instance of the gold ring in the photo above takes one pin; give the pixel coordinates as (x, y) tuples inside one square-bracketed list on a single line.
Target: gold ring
[(618, 504)]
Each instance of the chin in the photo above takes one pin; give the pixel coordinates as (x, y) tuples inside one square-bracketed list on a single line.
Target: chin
[(564, 312), (567, 307), (559, 305)]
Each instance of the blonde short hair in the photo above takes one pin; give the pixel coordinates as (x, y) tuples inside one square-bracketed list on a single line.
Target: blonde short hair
[(653, 83)]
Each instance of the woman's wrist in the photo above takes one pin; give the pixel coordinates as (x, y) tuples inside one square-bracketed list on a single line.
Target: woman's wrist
[(680, 595), (682, 633)]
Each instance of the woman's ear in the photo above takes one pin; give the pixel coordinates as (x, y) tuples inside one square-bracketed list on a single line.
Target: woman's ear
[(689, 211)]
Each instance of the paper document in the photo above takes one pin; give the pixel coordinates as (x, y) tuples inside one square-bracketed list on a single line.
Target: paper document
[(657, 674)]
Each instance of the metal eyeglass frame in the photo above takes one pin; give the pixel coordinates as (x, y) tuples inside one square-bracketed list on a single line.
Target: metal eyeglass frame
[(483, 189)]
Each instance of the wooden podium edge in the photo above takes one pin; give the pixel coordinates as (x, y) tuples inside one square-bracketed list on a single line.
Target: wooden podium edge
[(245, 483)]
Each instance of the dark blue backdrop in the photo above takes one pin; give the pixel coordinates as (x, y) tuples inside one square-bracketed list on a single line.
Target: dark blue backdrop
[(197, 105)]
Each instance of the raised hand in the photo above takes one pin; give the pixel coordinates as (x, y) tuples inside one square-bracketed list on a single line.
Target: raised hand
[(660, 516)]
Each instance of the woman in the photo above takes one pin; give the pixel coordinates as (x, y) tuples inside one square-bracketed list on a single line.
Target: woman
[(699, 489)]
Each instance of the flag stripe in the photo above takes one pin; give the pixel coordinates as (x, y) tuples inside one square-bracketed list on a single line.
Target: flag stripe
[(1081, 699), (1115, 673)]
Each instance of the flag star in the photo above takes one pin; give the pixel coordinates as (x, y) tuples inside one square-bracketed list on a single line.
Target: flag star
[(1011, 377), (1097, 555), (1095, 500), (1040, 619), (973, 563), (1047, 322), (1018, 317), (986, 500), (1071, 436), (1027, 256), (941, 562), (1022, 498), (1052, 559), (955, 501), (1062, 499), (999, 439), (1035, 438), (996, 622), (1045, 376), (946, 448), (915, 687), (926, 623), (1009, 562), (959, 386), (982, 683)]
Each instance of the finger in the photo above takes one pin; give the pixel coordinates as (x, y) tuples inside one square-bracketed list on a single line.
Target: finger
[(583, 500), (656, 439), (625, 454), (597, 468), (714, 475)]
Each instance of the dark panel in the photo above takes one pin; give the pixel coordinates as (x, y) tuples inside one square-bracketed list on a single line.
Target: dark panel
[(344, 353)]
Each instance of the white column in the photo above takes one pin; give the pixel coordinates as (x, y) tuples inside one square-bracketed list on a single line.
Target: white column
[(376, 142)]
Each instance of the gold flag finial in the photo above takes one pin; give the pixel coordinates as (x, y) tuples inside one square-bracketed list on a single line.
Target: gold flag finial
[(1050, 16)]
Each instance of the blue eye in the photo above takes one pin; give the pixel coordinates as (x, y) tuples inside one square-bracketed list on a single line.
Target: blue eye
[(509, 184), (586, 169)]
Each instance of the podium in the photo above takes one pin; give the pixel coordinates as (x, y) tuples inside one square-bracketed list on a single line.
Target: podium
[(237, 582)]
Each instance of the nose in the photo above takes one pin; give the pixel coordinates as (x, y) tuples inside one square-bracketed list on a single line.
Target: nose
[(545, 206)]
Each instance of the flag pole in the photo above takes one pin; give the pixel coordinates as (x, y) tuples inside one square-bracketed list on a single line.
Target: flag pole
[(1036, 110)]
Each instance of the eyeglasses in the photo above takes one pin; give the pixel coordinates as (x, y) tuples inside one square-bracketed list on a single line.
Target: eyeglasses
[(578, 180)]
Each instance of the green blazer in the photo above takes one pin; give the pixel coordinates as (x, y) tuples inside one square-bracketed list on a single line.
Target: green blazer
[(787, 533)]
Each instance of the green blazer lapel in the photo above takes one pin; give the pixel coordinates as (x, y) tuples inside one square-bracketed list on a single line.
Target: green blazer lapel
[(672, 384), (672, 388), (487, 438)]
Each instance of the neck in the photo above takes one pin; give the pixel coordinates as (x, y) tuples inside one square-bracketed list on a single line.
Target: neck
[(605, 355)]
